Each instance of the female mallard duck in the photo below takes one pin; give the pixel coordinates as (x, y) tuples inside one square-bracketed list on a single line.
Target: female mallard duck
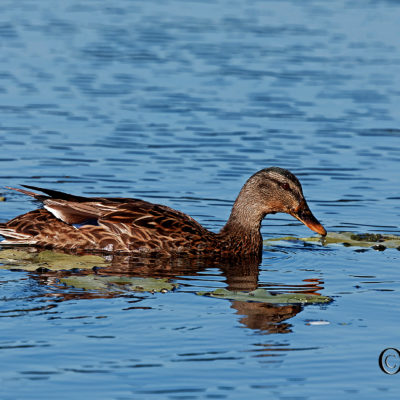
[(132, 225)]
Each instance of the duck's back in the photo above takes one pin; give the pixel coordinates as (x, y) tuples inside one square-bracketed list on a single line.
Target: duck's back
[(108, 224)]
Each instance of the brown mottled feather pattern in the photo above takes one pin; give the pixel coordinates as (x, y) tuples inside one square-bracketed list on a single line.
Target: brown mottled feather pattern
[(132, 225)]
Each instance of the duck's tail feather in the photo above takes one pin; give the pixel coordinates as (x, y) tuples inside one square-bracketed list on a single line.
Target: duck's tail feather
[(49, 194), (36, 196), (13, 237)]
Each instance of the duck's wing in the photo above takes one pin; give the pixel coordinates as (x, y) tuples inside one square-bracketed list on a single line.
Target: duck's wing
[(155, 227), (158, 219), (72, 209), (127, 217), (78, 212)]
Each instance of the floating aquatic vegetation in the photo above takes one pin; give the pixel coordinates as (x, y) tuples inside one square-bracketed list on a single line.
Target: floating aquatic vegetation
[(375, 241), (53, 261), (47, 259), (263, 296), (119, 283)]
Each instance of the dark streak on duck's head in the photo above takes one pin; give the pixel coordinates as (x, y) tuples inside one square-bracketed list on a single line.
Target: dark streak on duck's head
[(275, 190)]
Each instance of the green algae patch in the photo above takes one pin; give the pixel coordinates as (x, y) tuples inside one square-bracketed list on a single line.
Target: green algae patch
[(376, 241), (32, 261), (117, 284), (263, 296)]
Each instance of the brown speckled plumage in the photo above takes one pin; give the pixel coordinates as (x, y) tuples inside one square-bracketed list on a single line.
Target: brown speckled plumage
[(137, 226)]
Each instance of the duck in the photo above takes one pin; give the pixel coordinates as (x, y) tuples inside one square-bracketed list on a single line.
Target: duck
[(134, 226)]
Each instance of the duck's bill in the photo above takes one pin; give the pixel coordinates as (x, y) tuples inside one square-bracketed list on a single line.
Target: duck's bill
[(304, 215)]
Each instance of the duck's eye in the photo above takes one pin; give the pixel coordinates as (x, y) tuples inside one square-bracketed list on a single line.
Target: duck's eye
[(285, 186)]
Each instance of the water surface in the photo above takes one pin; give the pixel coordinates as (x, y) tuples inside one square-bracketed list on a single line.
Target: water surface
[(179, 102)]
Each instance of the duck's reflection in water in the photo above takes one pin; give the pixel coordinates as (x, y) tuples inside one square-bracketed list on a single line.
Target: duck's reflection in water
[(240, 275)]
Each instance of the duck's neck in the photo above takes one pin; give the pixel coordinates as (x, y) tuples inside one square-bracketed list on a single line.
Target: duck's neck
[(242, 231)]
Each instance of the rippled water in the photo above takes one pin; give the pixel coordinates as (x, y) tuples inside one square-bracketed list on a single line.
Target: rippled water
[(179, 102)]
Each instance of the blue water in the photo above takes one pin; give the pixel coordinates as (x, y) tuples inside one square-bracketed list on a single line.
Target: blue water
[(179, 102)]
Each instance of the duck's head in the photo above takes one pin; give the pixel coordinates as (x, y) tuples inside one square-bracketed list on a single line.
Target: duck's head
[(278, 190)]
